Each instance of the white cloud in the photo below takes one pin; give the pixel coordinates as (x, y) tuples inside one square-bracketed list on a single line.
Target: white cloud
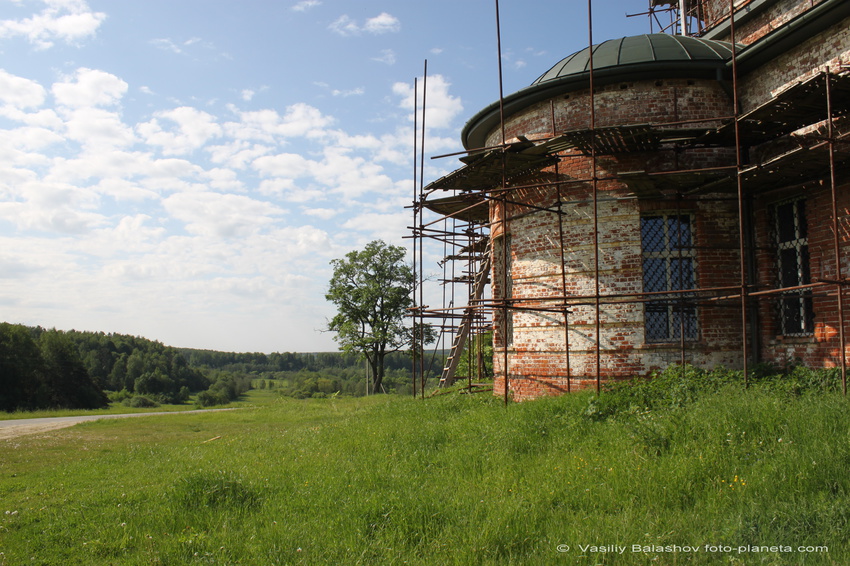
[(283, 165), (349, 176), (359, 91), (305, 5), (220, 215), (387, 57), (19, 92), (193, 129), (96, 128), (166, 45), (322, 213), (442, 109), (120, 164), (89, 87), (237, 153), (52, 207), (265, 125), (380, 24), (390, 227), (383, 23), (62, 20), (345, 26), (181, 47), (247, 94), (27, 139)]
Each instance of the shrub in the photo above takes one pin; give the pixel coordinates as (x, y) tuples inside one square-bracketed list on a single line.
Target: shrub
[(140, 401), (212, 398), (118, 396)]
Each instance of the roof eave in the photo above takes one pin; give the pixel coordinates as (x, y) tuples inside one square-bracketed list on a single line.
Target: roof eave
[(475, 132)]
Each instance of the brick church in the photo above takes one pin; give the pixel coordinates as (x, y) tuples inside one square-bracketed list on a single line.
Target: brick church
[(667, 198)]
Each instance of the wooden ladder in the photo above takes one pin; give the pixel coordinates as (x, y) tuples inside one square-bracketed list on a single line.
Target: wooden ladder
[(447, 378)]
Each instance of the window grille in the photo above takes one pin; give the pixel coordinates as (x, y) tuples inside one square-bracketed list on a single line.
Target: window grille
[(791, 236), (668, 265)]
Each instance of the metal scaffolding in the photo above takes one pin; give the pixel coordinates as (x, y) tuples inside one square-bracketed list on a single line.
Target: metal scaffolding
[(469, 212)]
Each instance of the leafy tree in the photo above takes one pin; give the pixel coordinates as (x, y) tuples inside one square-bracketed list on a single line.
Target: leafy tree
[(66, 382), (477, 357), (20, 368), (371, 289)]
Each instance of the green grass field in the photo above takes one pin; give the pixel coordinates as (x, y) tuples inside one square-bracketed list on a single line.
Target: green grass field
[(455, 479)]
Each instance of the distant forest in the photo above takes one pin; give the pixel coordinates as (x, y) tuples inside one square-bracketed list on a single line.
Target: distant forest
[(41, 368)]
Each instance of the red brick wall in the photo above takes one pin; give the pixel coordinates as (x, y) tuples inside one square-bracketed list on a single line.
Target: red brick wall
[(828, 50), (822, 348), (645, 102), (765, 21), (542, 358)]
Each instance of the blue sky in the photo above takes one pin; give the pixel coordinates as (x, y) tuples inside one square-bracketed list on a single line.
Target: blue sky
[(185, 170)]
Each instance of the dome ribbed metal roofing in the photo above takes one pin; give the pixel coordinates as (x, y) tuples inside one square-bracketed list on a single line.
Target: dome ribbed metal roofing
[(641, 57), (639, 50)]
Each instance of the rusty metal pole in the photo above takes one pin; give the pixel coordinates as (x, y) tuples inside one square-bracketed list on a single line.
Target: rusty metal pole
[(738, 166), (681, 280), (422, 196), (506, 248), (563, 261), (594, 189), (416, 272), (839, 287)]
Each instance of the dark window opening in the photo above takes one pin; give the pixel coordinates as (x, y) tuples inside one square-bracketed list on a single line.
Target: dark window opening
[(668, 265), (795, 313)]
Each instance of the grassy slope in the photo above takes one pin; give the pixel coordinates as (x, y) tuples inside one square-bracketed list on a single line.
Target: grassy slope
[(456, 479)]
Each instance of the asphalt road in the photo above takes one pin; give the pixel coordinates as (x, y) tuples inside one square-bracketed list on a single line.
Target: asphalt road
[(20, 427)]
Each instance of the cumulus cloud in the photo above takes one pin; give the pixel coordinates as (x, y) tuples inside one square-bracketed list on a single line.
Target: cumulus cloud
[(191, 129), (443, 108), (322, 213), (380, 24), (387, 57), (266, 125), (359, 91), (283, 165), (52, 206), (237, 153), (89, 87), (220, 215), (390, 227), (305, 5), (192, 203), (383, 23), (62, 20), (97, 128), (19, 92)]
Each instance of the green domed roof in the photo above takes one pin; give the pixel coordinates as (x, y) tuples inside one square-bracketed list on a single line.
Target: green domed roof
[(657, 48), (641, 57)]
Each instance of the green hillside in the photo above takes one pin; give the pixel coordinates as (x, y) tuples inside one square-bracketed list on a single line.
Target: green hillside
[(691, 470)]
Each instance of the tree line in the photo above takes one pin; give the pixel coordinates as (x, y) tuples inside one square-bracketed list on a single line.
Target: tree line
[(53, 369), (47, 368), (317, 374)]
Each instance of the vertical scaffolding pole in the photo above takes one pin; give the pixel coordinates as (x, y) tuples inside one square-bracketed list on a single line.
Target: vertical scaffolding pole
[(506, 249), (563, 261), (839, 287), (594, 189), (422, 198), (417, 282), (739, 178)]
